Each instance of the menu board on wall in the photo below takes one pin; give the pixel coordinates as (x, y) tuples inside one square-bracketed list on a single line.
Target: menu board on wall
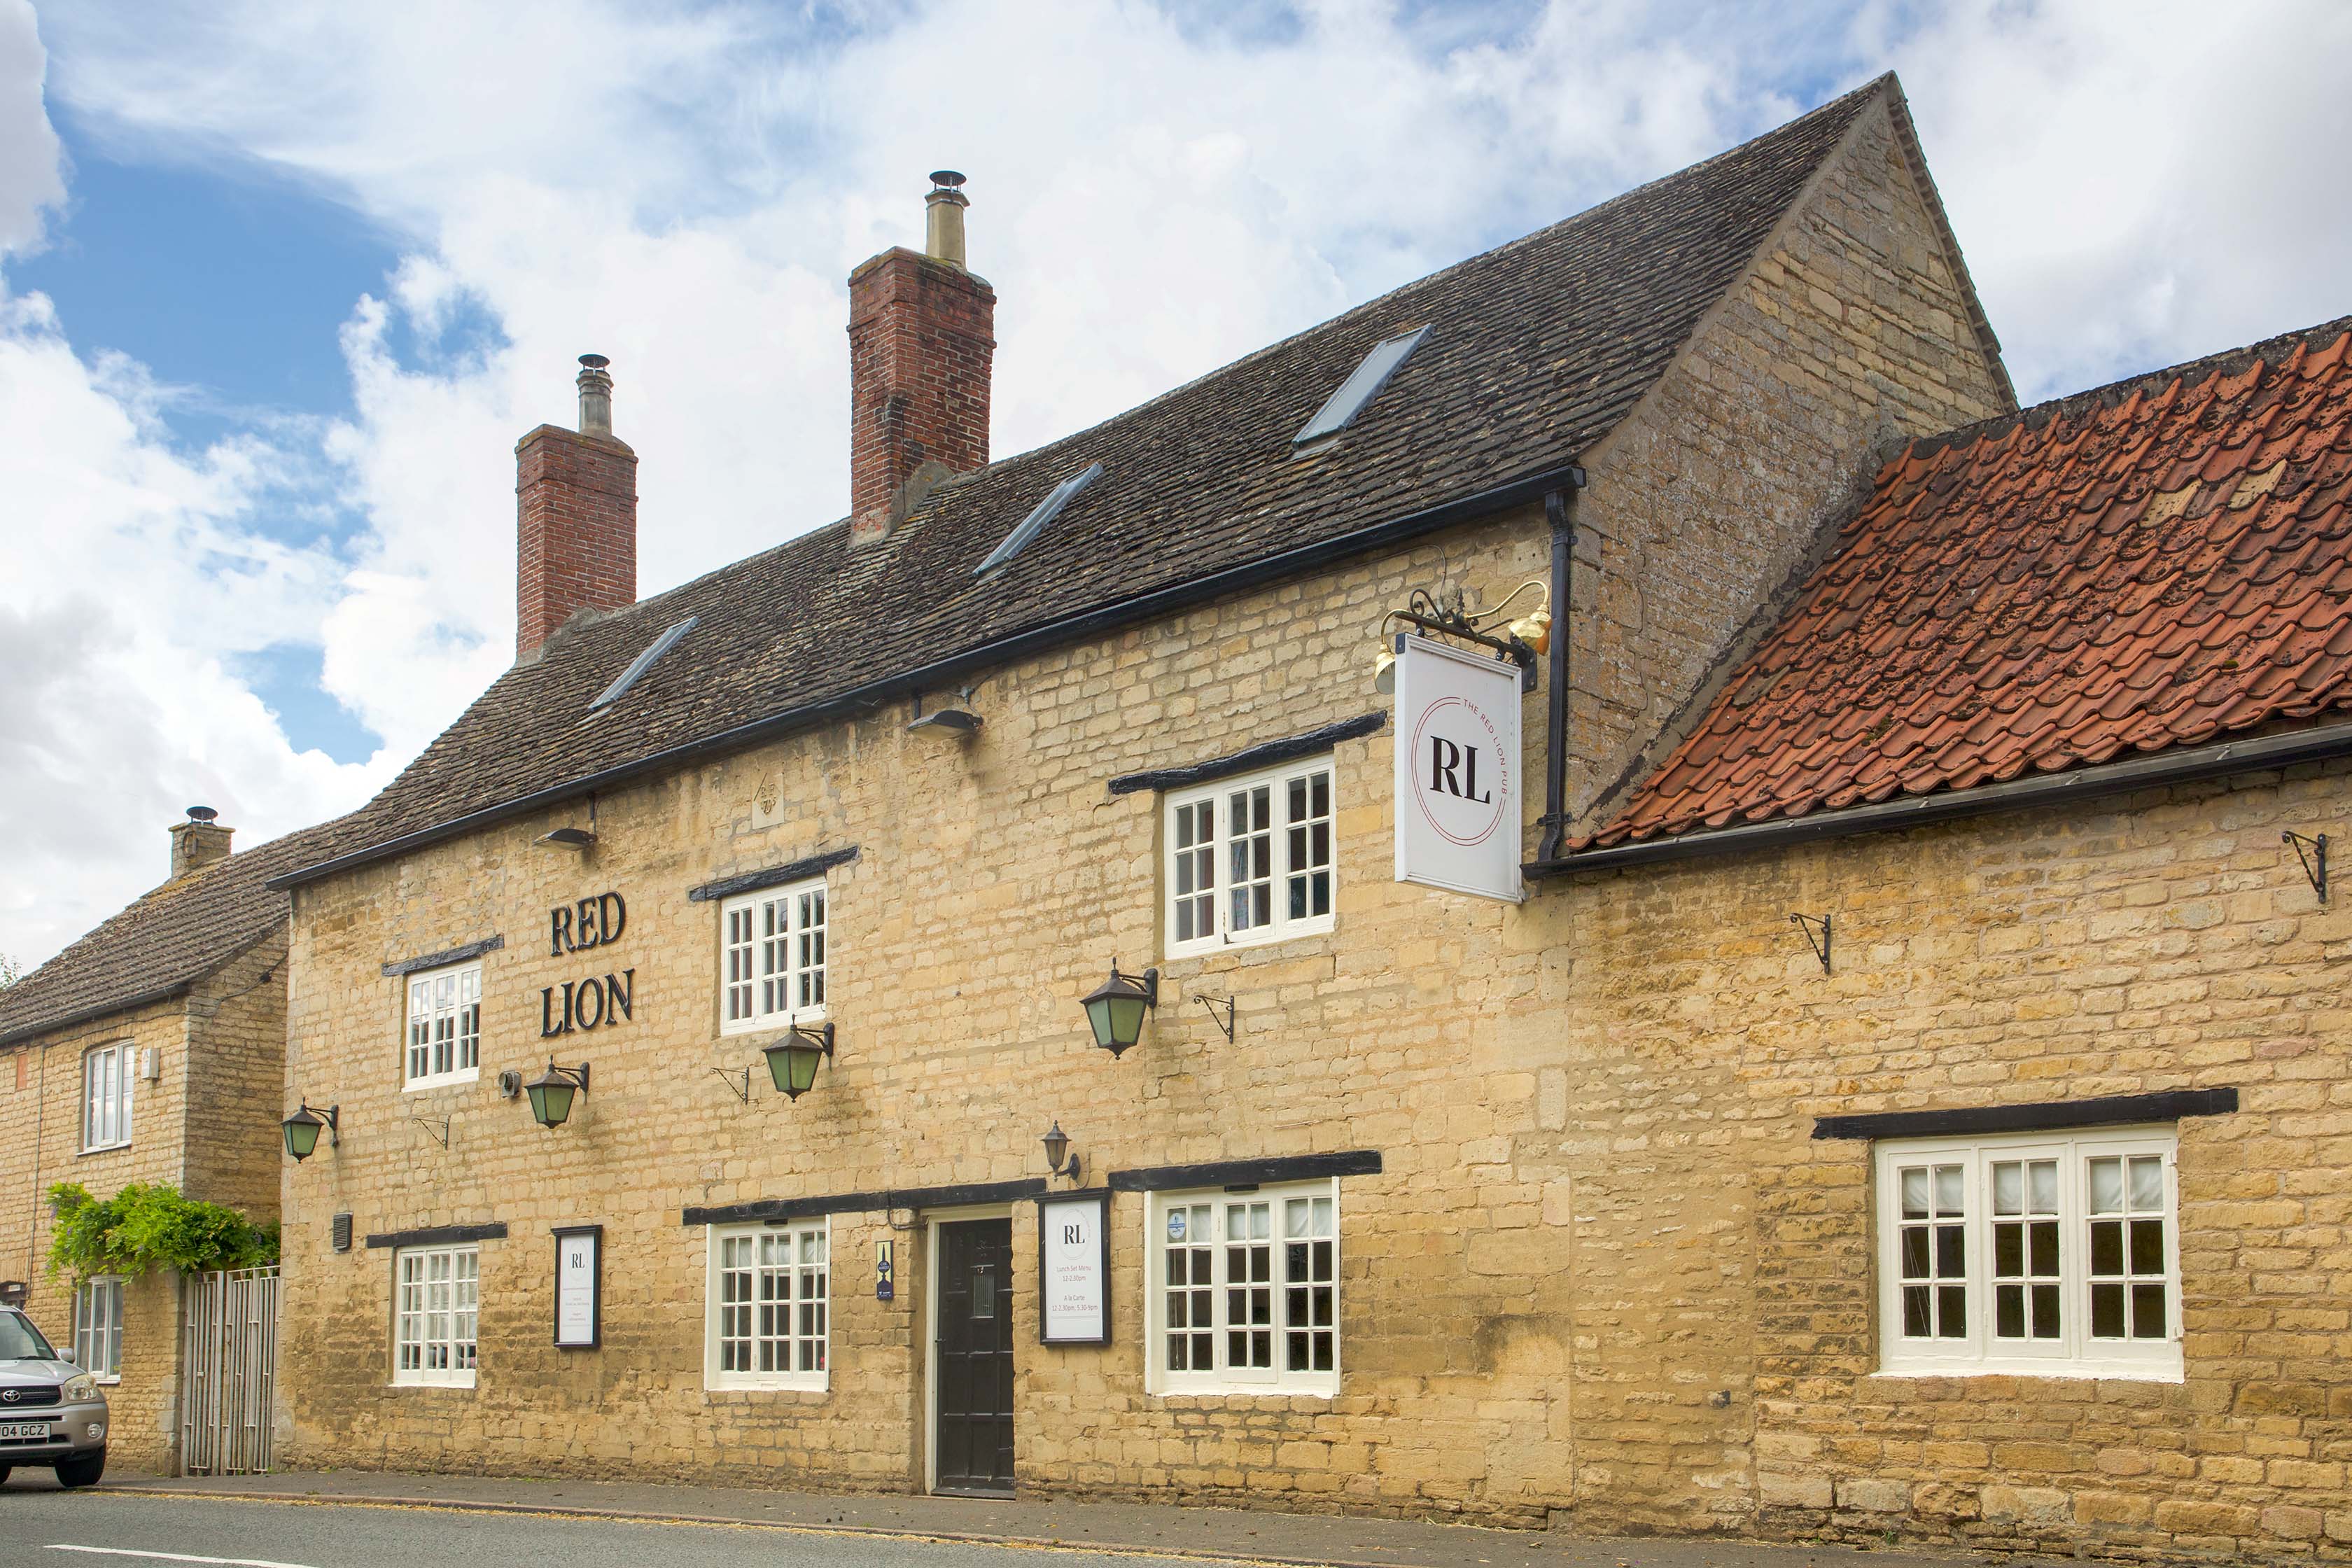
[(579, 1276), (1074, 1268)]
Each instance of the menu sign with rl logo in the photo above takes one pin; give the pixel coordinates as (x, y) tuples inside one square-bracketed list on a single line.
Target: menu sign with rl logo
[(1457, 769)]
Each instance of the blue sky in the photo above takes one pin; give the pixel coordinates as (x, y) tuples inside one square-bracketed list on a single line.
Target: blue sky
[(280, 285)]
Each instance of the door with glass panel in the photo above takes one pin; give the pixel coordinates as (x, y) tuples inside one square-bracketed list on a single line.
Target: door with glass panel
[(974, 1357)]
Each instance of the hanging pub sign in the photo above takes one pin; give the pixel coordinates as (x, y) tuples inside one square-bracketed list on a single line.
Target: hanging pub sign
[(579, 1274), (1457, 769), (1074, 1268)]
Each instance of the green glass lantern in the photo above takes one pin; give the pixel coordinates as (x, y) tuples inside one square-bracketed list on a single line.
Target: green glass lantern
[(301, 1130), (792, 1061), (1117, 1006), (552, 1093)]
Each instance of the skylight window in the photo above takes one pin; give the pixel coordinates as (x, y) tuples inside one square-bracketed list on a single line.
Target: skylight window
[(642, 663), (1039, 516), (1359, 388)]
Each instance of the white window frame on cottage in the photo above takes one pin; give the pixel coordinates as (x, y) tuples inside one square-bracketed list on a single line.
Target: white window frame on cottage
[(442, 1019), (1221, 888), (768, 1307), (98, 1327), (106, 1095), (2010, 1253), (437, 1294), (773, 951), (1267, 1301)]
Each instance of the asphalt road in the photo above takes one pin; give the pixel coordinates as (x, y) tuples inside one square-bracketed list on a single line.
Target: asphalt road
[(97, 1530)]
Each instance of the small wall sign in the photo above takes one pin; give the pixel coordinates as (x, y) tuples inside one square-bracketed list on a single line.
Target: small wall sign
[(1458, 788), (884, 1251), (1074, 1268), (579, 1284)]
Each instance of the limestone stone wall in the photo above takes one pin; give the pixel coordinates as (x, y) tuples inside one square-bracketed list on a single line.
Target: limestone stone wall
[(41, 1145), (237, 1048), (1720, 1266)]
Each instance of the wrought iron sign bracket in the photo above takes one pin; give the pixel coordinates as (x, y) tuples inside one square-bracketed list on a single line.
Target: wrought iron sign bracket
[(1224, 1021), (1810, 925), (1430, 616), (2313, 858), (428, 1123), (727, 1075)]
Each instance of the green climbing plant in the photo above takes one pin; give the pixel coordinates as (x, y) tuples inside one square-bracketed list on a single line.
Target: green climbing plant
[(150, 1225)]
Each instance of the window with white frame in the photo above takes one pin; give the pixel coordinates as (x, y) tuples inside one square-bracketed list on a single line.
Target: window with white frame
[(1250, 860), (2054, 1254), (770, 1300), (437, 1299), (98, 1328), (106, 1075), (1245, 1293), (445, 1027), (772, 957)]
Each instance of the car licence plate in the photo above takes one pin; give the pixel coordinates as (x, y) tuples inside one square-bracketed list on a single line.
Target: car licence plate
[(37, 1429)]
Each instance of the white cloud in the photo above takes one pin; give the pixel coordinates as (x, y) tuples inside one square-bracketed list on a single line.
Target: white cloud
[(686, 190)]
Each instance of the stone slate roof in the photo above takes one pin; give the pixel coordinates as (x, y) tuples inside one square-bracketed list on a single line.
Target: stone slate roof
[(2159, 564), (1538, 349), (170, 938)]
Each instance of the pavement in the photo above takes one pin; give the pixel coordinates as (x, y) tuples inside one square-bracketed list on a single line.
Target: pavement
[(538, 1517)]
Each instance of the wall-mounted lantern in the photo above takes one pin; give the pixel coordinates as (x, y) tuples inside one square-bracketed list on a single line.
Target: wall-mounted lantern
[(301, 1130), (1117, 1006), (551, 1092), (792, 1061), (1058, 1158)]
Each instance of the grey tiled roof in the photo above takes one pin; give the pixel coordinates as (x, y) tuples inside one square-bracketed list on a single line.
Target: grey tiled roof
[(1538, 349), (169, 938)]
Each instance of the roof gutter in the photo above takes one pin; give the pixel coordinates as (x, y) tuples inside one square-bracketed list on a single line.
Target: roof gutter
[(2262, 752), (68, 1020), (859, 701)]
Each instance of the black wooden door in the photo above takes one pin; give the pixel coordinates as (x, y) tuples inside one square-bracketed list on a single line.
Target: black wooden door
[(975, 1356)]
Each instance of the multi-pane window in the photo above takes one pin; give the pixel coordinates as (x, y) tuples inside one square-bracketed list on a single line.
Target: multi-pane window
[(106, 1075), (437, 1294), (2038, 1253), (1250, 860), (768, 1308), (98, 1327), (772, 957), (445, 1026), (1245, 1290)]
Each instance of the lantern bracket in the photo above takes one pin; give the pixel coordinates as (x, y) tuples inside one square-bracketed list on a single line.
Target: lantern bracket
[(727, 1075), (1809, 924), (819, 1036), (2314, 860), (429, 1123), (1224, 1021)]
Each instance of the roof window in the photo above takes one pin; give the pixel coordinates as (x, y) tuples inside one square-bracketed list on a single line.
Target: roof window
[(1043, 512), (643, 662), (1360, 387)]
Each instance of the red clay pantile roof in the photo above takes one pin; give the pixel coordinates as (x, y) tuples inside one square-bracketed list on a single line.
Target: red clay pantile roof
[(2158, 563)]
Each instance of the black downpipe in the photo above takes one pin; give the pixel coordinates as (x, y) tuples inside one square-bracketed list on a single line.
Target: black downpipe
[(1560, 511)]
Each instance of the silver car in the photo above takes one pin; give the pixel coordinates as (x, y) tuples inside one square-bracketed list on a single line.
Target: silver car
[(51, 1412)]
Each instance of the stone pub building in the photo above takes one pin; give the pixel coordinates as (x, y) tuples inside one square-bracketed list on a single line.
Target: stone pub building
[(1910, 1094)]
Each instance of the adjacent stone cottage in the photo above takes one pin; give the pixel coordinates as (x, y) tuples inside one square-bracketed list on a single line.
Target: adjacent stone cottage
[(150, 1050)]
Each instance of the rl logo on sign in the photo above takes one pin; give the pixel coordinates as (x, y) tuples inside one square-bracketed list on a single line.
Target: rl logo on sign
[(1457, 769)]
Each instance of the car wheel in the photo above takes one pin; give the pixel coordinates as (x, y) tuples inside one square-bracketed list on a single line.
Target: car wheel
[(4, 1471), (81, 1472)]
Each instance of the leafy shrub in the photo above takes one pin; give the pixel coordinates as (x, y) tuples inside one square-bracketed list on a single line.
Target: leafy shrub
[(150, 1225)]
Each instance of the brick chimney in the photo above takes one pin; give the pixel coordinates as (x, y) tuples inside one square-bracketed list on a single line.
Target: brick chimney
[(576, 517), (199, 841), (922, 334)]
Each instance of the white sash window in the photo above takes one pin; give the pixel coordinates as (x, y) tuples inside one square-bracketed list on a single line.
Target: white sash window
[(769, 1305), (98, 1328), (1244, 1291), (436, 1301), (2038, 1253), (445, 1027), (106, 1076), (772, 957), (1250, 860)]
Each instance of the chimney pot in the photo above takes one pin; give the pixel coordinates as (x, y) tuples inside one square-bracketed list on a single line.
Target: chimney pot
[(595, 397), (199, 841), (943, 217)]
